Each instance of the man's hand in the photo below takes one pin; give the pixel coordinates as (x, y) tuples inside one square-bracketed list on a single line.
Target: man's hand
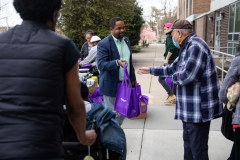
[(121, 62), (90, 138), (143, 70), (165, 62)]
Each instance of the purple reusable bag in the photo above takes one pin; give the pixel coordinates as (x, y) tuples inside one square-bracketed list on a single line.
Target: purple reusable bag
[(169, 82), (127, 99), (89, 65), (96, 97)]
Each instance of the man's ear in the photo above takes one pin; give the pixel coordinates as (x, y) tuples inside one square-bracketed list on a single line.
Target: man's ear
[(179, 33), (54, 16)]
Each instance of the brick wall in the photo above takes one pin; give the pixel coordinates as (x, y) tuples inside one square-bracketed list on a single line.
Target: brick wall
[(201, 6), (199, 26), (224, 29), (210, 31), (197, 7), (205, 29)]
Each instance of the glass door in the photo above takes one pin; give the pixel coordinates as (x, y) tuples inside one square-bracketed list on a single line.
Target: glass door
[(217, 32)]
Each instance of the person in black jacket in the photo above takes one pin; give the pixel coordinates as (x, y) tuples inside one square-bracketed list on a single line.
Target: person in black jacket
[(39, 74), (87, 45)]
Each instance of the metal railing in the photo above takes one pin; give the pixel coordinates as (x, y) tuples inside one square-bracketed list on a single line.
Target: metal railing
[(223, 57), (234, 49)]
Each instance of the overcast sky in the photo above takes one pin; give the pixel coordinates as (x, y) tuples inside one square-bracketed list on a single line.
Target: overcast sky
[(13, 17), (147, 4)]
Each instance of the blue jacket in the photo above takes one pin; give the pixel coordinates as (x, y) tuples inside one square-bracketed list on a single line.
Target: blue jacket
[(107, 54), (110, 133)]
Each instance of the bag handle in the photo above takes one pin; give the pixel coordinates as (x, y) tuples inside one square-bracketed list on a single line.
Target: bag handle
[(126, 78), (145, 100)]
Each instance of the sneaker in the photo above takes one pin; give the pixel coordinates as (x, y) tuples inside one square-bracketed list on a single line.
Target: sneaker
[(171, 100)]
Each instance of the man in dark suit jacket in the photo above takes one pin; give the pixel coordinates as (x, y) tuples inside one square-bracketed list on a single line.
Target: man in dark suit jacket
[(112, 53)]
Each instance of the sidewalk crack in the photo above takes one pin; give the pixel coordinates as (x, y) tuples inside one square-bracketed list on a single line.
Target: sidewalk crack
[(142, 139)]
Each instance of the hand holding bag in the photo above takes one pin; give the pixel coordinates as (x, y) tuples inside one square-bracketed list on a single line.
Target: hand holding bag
[(233, 95), (127, 99)]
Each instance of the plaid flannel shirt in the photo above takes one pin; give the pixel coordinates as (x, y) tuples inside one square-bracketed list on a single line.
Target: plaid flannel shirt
[(196, 77)]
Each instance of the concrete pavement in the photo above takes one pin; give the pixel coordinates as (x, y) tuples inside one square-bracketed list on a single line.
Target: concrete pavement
[(159, 136)]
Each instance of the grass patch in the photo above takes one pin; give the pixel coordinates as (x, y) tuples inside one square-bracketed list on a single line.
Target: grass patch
[(136, 48)]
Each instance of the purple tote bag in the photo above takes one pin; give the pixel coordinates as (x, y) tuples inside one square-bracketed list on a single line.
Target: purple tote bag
[(89, 65), (96, 97), (127, 99), (169, 82)]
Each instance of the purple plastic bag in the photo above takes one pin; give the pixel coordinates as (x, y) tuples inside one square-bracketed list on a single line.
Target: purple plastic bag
[(169, 82), (89, 65), (127, 99), (145, 100), (96, 97)]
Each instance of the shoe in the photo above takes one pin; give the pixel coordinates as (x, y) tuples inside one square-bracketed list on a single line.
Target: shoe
[(170, 100)]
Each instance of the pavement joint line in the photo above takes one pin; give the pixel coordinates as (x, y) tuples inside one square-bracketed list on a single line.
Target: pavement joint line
[(151, 75), (142, 139)]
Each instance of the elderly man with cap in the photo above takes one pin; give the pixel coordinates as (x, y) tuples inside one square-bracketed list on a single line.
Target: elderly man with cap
[(92, 53), (171, 53), (195, 75)]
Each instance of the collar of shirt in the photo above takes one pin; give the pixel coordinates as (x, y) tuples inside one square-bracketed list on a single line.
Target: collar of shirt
[(117, 40), (186, 40)]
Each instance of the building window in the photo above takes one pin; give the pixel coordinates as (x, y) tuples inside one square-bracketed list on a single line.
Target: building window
[(232, 48), (231, 19), (234, 18), (233, 27), (237, 18)]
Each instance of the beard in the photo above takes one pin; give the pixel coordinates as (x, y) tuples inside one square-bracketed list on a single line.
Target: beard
[(121, 35)]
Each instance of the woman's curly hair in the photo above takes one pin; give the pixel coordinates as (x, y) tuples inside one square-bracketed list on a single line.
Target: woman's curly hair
[(37, 10)]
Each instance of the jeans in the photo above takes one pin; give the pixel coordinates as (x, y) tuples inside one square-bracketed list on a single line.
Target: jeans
[(162, 81), (110, 102), (195, 137)]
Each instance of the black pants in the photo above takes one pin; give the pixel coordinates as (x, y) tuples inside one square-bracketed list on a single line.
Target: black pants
[(237, 143), (195, 137), (235, 152), (232, 154)]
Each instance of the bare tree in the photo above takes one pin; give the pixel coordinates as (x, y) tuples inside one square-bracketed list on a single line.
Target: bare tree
[(4, 13), (159, 16)]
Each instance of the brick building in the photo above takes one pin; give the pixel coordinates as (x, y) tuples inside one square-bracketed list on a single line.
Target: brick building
[(192, 8), (218, 24), (212, 27)]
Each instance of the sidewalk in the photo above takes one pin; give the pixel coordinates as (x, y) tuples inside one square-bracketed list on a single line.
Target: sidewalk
[(159, 137)]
